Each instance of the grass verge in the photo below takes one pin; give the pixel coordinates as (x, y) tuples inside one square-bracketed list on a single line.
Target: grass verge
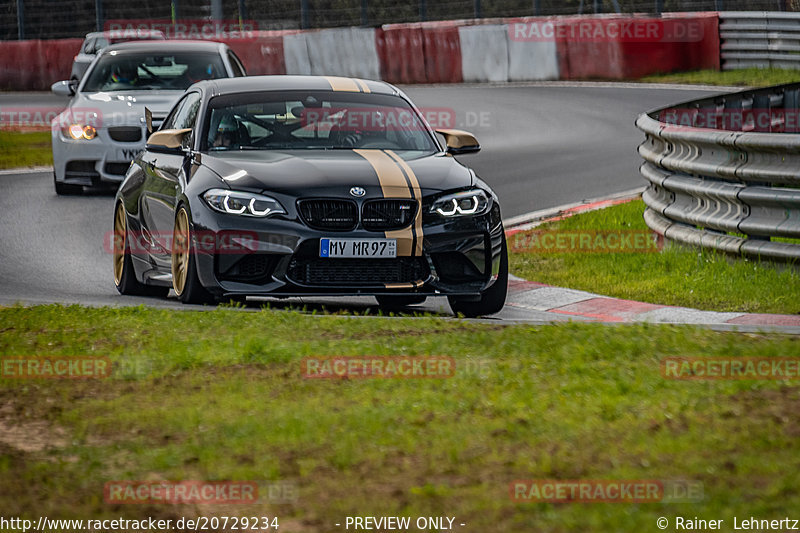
[(676, 275), (25, 149), (749, 77), (219, 395)]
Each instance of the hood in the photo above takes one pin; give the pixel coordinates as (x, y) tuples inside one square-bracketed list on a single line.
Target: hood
[(333, 172), (123, 109)]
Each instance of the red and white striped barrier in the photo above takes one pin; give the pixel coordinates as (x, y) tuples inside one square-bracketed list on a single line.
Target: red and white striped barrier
[(496, 50)]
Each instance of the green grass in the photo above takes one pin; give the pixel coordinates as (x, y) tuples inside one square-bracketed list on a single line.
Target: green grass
[(749, 77), (675, 276), (25, 149), (220, 396)]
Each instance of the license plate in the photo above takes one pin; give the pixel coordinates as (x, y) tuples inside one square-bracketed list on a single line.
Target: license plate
[(377, 248)]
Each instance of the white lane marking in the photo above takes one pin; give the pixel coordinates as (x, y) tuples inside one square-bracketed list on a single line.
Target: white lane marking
[(24, 170)]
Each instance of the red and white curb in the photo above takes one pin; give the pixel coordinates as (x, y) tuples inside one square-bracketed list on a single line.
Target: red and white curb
[(569, 304), (559, 304)]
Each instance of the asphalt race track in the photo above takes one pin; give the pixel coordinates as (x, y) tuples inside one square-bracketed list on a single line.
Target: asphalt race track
[(544, 145)]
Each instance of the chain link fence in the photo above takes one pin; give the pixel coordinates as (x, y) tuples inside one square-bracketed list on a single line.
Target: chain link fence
[(53, 19)]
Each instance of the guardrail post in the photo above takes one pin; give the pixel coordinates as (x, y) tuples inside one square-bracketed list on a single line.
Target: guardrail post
[(423, 10), (216, 9), (659, 7), (98, 11), (20, 20), (537, 7), (364, 14), (304, 14), (790, 105), (477, 8)]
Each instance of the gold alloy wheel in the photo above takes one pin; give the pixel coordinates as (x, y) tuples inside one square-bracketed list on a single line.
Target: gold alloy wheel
[(180, 252), (120, 237)]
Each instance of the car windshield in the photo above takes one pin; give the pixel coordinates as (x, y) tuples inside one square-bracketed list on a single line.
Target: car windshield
[(295, 120), (147, 71)]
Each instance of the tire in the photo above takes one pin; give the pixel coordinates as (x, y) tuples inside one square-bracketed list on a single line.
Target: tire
[(185, 280), (492, 299), (398, 302), (64, 189), (124, 275)]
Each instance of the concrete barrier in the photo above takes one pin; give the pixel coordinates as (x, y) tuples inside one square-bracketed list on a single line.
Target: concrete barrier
[(531, 59), (632, 47), (295, 54), (401, 49), (344, 52), (484, 52), (261, 54), (488, 50), (442, 52), (34, 64)]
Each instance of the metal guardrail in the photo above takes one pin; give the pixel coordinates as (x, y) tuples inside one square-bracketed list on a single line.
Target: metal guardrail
[(736, 190), (759, 39)]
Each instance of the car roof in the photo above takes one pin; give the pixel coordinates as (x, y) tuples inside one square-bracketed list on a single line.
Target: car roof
[(165, 46), (288, 83), (128, 32)]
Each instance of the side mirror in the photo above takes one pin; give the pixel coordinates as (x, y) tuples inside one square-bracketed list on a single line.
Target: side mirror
[(148, 118), (63, 88), (168, 141), (460, 142)]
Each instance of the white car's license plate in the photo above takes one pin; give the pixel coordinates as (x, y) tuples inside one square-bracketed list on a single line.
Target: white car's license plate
[(376, 248)]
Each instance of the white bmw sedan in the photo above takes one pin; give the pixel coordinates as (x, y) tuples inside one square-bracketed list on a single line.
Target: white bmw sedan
[(104, 126)]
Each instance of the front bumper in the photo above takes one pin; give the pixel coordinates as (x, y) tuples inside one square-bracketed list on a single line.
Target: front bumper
[(280, 257), (98, 162)]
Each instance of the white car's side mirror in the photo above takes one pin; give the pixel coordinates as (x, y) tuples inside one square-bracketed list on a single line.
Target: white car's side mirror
[(63, 88)]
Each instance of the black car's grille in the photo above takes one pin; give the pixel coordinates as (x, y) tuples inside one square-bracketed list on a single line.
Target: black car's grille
[(329, 214), (125, 134), (385, 215), (118, 169), (357, 272)]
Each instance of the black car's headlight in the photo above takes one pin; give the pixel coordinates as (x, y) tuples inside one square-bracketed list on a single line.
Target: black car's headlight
[(467, 203), (243, 203)]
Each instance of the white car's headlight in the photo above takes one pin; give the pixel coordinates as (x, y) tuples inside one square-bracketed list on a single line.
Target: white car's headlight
[(243, 203), (467, 203), (79, 131)]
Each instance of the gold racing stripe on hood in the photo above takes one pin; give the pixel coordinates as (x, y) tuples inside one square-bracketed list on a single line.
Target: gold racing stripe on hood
[(394, 184), (417, 195), (343, 84)]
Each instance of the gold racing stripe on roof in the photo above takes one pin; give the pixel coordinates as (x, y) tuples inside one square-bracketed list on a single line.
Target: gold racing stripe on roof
[(343, 84), (363, 85)]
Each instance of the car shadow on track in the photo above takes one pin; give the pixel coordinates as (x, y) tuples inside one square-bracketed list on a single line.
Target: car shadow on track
[(318, 306)]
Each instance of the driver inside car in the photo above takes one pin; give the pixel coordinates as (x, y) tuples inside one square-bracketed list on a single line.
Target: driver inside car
[(126, 74), (360, 128), (227, 137), (198, 72)]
